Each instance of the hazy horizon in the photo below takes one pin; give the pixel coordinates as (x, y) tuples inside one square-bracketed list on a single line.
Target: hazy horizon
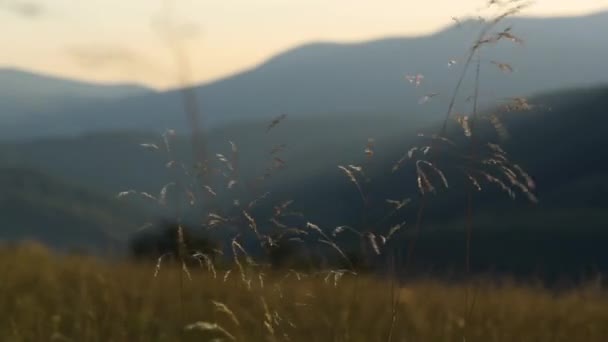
[(97, 45)]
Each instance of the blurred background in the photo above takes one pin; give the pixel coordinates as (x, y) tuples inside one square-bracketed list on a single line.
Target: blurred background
[(83, 84)]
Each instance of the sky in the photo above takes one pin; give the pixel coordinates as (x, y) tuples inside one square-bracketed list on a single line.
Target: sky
[(112, 41)]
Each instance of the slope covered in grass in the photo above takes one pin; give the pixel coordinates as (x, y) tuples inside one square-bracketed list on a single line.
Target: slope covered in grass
[(560, 148), (38, 207), (81, 299)]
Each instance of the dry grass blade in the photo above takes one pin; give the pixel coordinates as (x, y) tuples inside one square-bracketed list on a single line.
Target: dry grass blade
[(237, 247), (279, 163), (295, 273), (412, 151), (337, 249), (257, 200), (191, 197), (500, 128), (512, 177), (369, 148), (278, 224), (519, 104), (495, 2), (252, 224), (424, 185), (326, 240), (500, 183), (356, 168), (233, 147), (221, 307), (276, 121), (415, 79), (341, 229), (394, 229), (482, 40), (372, 240), (435, 169), (126, 193), (509, 173), (336, 275), (464, 123), (529, 181), (225, 161), (399, 163), (354, 180), (210, 327), (162, 197), (151, 147), (186, 270), (268, 321), (496, 148), (145, 227), (427, 98), (209, 263), (436, 137), (231, 184), (279, 209), (226, 275), (397, 205), (474, 181), (214, 220), (506, 34), (504, 67), (277, 149), (210, 190), (148, 196), (167, 137), (159, 262), (314, 227)]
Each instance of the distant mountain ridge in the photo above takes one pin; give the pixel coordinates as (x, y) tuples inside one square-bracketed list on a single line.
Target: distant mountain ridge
[(368, 77), (24, 93), (40, 83), (561, 148), (34, 205)]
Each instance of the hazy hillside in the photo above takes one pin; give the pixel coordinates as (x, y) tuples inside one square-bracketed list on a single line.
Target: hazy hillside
[(365, 78), (26, 97), (559, 144), (113, 162), (38, 207), (549, 143), (561, 148), (316, 145)]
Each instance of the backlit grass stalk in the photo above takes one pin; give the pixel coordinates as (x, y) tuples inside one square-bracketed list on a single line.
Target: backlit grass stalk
[(480, 42)]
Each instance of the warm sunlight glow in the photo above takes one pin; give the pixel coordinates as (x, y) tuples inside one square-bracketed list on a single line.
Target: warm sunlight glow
[(118, 40)]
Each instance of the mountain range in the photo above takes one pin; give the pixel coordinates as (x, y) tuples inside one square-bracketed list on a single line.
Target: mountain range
[(24, 93), (560, 143), (330, 79), (69, 147)]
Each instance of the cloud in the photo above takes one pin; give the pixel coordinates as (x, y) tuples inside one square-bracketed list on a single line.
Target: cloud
[(26, 9), (170, 30), (114, 57), (166, 24), (102, 55)]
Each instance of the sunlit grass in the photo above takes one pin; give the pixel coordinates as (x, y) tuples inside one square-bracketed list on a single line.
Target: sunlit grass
[(45, 297)]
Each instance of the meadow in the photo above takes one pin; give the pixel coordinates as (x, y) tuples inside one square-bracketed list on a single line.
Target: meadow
[(47, 297), (253, 295)]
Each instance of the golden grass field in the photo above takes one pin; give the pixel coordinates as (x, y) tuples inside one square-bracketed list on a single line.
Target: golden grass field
[(45, 297)]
